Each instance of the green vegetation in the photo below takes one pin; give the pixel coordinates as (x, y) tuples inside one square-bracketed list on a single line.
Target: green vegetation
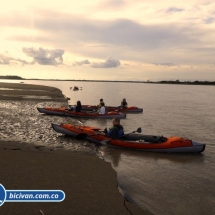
[(148, 81), (188, 82), (11, 77)]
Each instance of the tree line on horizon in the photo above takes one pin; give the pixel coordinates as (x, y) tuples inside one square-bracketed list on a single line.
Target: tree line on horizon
[(15, 77), (11, 77)]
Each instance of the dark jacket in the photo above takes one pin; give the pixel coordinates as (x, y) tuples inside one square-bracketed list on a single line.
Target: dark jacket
[(116, 132), (124, 104), (78, 108)]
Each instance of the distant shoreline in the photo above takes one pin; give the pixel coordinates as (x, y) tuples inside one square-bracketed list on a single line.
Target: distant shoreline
[(178, 82)]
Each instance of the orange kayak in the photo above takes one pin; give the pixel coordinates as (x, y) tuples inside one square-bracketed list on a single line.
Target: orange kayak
[(131, 109), (66, 112), (149, 143)]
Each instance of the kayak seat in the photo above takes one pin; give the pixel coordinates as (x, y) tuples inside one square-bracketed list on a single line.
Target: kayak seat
[(159, 139)]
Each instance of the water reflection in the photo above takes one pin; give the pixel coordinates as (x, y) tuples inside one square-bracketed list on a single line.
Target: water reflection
[(164, 183), (114, 155)]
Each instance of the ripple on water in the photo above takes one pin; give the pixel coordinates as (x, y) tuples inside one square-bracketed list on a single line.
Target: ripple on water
[(21, 121)]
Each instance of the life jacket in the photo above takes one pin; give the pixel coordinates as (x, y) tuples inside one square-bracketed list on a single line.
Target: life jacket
[(120, 131)]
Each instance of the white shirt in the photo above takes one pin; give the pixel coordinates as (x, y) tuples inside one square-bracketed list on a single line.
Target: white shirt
[(102, 110)]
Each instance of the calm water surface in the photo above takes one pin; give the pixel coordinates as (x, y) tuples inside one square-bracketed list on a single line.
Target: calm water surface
[(164, 184)]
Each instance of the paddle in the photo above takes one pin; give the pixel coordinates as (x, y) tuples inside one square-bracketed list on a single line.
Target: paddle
[(103, 142), (139, 130), (66, 110)]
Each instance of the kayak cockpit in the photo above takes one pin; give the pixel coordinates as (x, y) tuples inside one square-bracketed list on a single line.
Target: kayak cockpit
[(144, 138)]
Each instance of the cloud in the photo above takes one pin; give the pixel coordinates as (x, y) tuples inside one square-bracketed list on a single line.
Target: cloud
[(164, 64), (77, 31), (173, 10), (210, 20), (80, 63), (40, 56), (121, 33), (109, 63), (45, 56), (128, 39), (7, 60), (112, 4)]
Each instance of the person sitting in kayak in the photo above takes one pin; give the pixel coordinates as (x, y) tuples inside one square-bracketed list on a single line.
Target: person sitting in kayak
[(101, 101), (76, 108), (102, 108), (116, 131), (124, 104)]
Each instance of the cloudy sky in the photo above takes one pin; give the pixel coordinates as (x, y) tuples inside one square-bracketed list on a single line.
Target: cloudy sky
[(108, 39)]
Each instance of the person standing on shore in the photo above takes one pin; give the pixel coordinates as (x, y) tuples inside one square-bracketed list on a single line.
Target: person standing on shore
[(116, 131)]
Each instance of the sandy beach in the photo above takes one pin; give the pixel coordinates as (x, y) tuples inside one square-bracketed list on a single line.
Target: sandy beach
[(90, 184)]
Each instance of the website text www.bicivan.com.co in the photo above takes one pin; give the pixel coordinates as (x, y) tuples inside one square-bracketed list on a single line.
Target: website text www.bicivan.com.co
[(29, 196)]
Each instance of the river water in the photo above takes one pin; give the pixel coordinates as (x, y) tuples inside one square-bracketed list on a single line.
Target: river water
[(164, 184)]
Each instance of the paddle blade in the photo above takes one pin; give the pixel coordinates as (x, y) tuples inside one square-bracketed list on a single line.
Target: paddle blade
[(139, 130)]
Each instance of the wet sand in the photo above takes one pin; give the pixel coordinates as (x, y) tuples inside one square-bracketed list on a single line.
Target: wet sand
[(13, 91), (90, 184)]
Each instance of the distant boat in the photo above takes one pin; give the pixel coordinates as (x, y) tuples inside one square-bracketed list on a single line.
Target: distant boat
[(75, 88)]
